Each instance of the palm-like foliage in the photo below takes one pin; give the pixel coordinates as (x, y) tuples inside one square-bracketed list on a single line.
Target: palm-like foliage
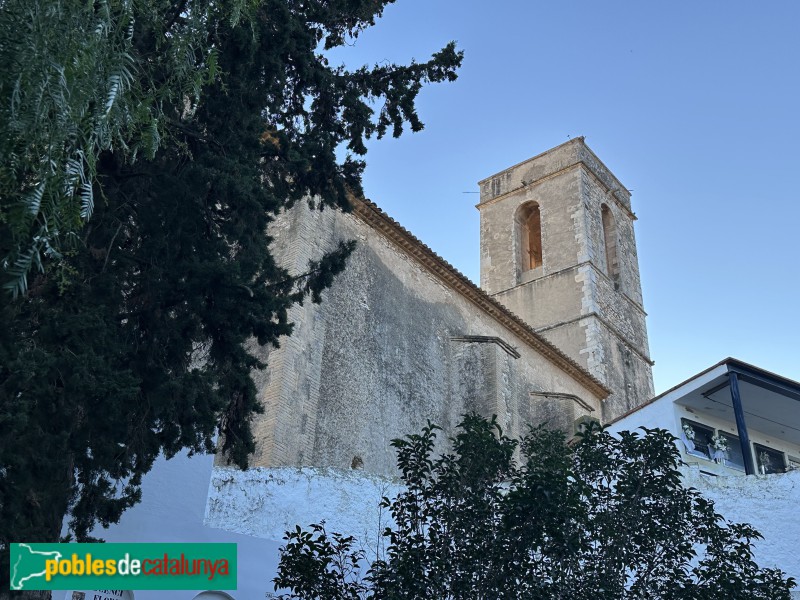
[(80, 78)]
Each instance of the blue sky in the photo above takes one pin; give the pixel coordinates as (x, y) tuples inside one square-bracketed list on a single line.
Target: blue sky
[(692, 105)]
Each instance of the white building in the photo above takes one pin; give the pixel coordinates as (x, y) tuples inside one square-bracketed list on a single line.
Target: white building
[(731, 420)]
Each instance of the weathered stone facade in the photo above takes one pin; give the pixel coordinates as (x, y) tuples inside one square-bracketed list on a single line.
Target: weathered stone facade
[(402, 338), (590, 309)]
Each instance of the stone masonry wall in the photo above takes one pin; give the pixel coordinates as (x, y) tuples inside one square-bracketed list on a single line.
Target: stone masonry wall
[(595, 195), (381, 356), (559, 199)]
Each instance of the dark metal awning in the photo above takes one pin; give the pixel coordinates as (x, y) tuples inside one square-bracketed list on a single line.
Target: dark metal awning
[(766, 402)]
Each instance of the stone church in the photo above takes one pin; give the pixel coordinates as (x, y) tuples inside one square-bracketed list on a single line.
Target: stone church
[(555, 333)]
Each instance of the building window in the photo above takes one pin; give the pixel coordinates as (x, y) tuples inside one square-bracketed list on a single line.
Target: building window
[(769, 460), (699, 441), (610, 243), (529, 229), (733, 455), (699, 438)]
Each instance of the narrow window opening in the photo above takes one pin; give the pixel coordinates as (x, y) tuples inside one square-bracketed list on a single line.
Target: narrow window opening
[(697, 438), (769, 460), (733, 455), (529, 221), (610, 242)]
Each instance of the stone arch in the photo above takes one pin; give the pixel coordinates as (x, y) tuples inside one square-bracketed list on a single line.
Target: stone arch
[(610, 243), (529, 236)]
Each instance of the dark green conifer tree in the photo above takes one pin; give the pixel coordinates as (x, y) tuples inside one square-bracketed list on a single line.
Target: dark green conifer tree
[(142, 349)]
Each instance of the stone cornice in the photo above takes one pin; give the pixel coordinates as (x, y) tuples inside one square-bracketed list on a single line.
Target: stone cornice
[(452, 278), (587, 263), (609, 326), (529, 185), (576, 165)]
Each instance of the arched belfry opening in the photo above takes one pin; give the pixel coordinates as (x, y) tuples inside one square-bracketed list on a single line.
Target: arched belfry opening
[(529, 236), (610, 243)]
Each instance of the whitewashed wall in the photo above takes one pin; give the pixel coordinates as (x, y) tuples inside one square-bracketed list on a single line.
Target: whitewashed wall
[(174, 496), (769, 503), (266, 502), (260, 504)]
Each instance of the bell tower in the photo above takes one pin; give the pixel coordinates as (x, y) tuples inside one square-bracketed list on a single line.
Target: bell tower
[(558, 249)]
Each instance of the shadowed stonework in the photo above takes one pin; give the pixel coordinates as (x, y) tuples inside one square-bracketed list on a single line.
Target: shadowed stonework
[(402, 338)]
